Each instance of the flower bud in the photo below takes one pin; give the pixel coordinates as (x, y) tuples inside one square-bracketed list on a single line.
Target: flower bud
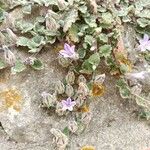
[(69, 90), (86, 118), (81, 78), (48, 99), (70, 77), (59, 110), (64, 62), (73, 126), (79, 100), (12, 35), (59, 87), (60, 139), (83, 90), (100, 78)]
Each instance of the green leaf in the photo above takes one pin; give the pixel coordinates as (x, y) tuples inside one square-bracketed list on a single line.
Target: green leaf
[(145, 115), (143, 100), (38, 65), (143, 22), (147, 57), (22, 41), (73, 33), (124, 68), (83, 28), (35, 42), (2, 17), (87, 67), (123, 88), (24, 26), (66, 131), (105, 50), (94, 59), (27, 9), (90, 64), (2, 64), (50, 2), (126, 19), (144, 13), (39, 40), (81, 52), (124, 92), (69, 19), (103, 38), (91, 21), (35, 50), (19, 67), (107, 18), (83, 9), (89, 39), (50, 39)]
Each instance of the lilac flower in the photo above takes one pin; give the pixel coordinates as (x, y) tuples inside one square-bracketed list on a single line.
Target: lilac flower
[(69, 52), (144, 43), (68, 104)]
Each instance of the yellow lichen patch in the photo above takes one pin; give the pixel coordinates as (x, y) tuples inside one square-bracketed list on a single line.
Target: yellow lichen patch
[(88, 148), (97, 89), (84, 108), (12, 98)]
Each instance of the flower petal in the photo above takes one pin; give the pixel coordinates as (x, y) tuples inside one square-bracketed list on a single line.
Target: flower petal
[(70, 108), (69, 100), (73, 103), (73, 49), (142, 48), (67, 48), (64, 103), (146, 37), (64, 53), (148, 45)]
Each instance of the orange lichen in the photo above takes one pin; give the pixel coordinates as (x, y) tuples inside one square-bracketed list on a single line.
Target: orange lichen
[(87, 148), (97, 89), (58, 48), (84, 108), (12, 98)]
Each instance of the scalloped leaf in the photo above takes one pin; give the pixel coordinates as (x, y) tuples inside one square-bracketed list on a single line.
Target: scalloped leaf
[(123, 88), (105, 50), (69, 19), (37, 65), (22, 41), (19, 67), (94, 59), (73, 33)]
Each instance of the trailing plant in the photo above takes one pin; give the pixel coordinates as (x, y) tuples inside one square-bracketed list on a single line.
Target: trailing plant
[(92, 33)]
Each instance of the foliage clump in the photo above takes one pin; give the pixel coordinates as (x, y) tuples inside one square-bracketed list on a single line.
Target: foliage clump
[(92, 33)]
